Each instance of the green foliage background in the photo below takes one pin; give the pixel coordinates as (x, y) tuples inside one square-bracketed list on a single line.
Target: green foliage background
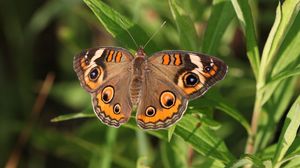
[(252, 117)]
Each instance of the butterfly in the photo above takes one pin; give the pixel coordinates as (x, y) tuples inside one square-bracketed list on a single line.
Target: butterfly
[(159, 87)]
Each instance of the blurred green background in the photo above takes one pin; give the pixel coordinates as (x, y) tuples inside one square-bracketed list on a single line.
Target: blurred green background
[(38, 40)]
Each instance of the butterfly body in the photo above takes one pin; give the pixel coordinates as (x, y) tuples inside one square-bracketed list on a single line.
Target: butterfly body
[(159, 86)]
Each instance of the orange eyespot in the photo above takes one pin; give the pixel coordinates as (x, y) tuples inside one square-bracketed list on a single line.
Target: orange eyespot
[(150, 111), (107, 94), (117, 108), (167, 99), (94, 74)]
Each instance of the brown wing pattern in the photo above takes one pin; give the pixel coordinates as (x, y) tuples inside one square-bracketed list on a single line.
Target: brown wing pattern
[(104, 73), (95, 66), (194, 73)]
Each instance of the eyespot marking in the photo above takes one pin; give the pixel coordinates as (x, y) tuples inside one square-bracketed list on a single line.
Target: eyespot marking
[(107, 94), (117, 108), (167, 99), (94, 74), (150, 111), (190, 79)]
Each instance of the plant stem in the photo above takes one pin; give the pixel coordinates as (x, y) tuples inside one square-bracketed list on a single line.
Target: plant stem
[(250, 145)]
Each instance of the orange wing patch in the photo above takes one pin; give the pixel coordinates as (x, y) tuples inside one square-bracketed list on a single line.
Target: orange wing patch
[(84, 66), (166, 59), (177, 60), (107, 110), (161, 114), (110, 56), (118, 57)]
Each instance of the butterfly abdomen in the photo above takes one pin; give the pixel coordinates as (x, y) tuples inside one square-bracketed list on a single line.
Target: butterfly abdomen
[(137, 80), (135, 89)]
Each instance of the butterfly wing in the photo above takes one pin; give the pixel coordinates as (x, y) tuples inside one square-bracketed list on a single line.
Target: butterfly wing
[(103, 72), (193, 73), (171, 79), (161, 104)]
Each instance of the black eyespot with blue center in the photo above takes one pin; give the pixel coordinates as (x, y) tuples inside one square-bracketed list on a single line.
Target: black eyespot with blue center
[(94, 74), (191, 79)]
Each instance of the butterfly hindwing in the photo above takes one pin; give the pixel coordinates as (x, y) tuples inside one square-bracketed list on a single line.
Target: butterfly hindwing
[(162, 104)]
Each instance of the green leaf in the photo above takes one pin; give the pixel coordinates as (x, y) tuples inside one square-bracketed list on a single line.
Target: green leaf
[(294, 162), (285, 16), (247, 160), (203, 139), (288, 60), (244, 14), (221, 16), (171, 132), (288, 133), (289, 53), (119, 26), (278, 78), (273, 111), (72, 116), (174, 154), (185, 27), (142, 162), (220, 104), (200, 137), (144, 146)]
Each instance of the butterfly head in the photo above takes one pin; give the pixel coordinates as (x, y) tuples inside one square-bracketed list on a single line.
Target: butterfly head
[(140, 52)]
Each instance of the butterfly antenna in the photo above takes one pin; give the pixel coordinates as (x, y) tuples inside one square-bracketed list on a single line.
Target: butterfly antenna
[(132, 39), (155, 33)]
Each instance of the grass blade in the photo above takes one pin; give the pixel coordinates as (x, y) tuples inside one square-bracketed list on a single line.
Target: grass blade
[(244, 14), (246, 161), (203, 139), (72, 116), (117, 25), (185, 27), (288, 133), (221, 16)]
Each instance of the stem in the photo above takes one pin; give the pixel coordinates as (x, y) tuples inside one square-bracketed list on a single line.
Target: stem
[(250, 145)]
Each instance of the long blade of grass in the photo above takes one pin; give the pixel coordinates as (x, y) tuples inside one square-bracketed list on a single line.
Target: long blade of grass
[(244, 14), (246, 161), (289, 55), (280, 77), (285, 16), (221, 16), (174, 154), (118, 26), (289, 51), (203, 139), (72, 116), (185, 27), (111, 137), (288, 132)]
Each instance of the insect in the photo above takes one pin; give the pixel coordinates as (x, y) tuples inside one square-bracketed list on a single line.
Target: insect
[(159, 86)]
